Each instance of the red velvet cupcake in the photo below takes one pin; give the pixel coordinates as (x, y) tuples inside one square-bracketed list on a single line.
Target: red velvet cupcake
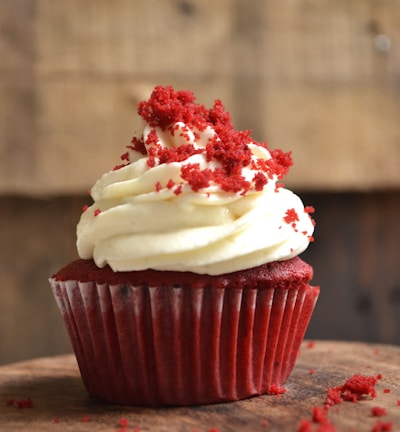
[(189, 289)]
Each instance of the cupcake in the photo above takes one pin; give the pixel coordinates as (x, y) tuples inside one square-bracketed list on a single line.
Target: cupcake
[(188, 289)]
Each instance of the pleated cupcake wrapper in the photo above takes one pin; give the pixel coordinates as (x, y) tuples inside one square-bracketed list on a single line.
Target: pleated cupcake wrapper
[(155, 346)]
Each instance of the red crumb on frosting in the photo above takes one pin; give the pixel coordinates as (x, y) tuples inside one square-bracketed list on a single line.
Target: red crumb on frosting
[(97, 212), (197, 178), (291, 216), (228, 148)]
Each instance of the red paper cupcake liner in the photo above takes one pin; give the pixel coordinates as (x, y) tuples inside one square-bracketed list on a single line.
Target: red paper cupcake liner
[(159, 346)]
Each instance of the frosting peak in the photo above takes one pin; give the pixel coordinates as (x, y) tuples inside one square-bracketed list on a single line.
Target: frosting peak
[(193, 194)]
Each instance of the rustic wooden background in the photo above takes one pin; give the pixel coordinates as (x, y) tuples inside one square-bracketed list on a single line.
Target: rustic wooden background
[(317, 77)]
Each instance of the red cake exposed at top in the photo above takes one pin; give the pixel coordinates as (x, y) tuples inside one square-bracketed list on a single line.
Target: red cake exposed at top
[(271, 275)]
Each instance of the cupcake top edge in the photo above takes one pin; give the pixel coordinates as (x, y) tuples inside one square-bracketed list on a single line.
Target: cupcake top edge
[(281, 274), (192, 194)]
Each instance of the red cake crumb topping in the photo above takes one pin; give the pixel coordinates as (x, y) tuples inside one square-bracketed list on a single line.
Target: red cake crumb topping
[(305, 426), (229, 148), (291, 217)]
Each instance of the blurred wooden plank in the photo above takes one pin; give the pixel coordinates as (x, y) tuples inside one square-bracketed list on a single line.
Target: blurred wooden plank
[(355, 260), (18, 144), (318, 78), (38, 239)]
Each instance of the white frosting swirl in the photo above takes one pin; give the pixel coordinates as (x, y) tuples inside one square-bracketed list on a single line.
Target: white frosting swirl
[(147, 216)]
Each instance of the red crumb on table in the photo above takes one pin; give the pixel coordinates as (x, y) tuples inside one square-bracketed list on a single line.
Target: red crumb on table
[(25, 403), (276, 390), (386, 390), (305, 426), (398, 402), (378, 411), (356, 387), (319, 414), (311, 371), (123, 422), (310, 344), (86, 419), (381, 426), (379, 376), (264, 423)]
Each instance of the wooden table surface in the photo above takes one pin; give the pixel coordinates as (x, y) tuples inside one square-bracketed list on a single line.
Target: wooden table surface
[(46, 394)]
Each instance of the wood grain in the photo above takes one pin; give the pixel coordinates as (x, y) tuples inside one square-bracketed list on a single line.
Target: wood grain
[(319, 78), (61, 403)]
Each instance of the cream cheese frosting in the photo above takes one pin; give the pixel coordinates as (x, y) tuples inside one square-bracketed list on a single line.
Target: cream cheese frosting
[(193, 195)]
